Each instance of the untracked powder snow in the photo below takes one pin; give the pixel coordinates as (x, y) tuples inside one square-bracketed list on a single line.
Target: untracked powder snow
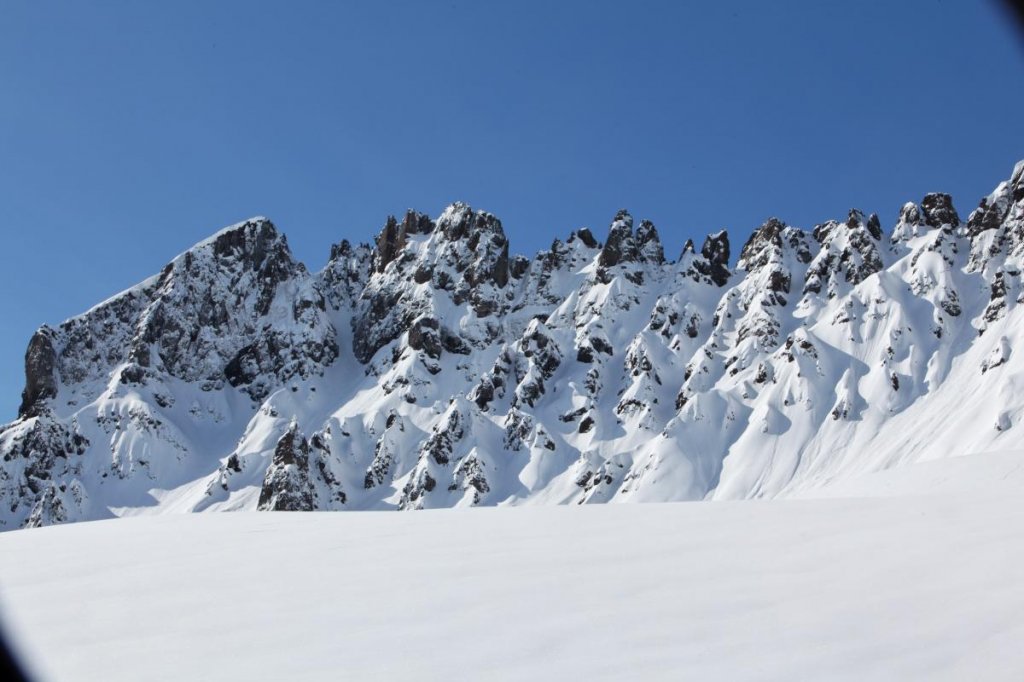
[(913, 585)]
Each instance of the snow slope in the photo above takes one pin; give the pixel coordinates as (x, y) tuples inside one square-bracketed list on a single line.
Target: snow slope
[(906, 587), (435, 368)]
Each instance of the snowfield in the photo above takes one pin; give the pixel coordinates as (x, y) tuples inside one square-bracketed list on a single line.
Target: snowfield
[(922, 580)]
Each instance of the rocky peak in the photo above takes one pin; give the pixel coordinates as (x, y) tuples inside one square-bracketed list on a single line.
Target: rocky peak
[(483, 241), (625, 246), (769, 258), (938, 210), (620, 245), (910, 214), (40, 373), (576, 250), (254, 246), (849, 248), (649, 243), (465, 259), (716, 248), (231, 285), (415, 222), (586, 237), (994, 208), (715, 257), (235, 308), (855, 224), (460, 222), (389, 242), (1017, 182), (764, 244), (345, 275), (544, 278), (908, 224), (342, 249), (287, 485), (251, 246), (874, 226), (394, 235), (996, 227)]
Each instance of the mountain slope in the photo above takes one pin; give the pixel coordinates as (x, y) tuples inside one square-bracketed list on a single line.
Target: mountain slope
[(433, 368)]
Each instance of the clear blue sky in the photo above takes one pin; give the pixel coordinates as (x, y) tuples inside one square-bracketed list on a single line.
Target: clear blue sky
[(130, 130)]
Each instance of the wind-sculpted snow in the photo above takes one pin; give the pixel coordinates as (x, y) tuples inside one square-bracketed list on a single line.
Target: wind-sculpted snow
[(433, 368)]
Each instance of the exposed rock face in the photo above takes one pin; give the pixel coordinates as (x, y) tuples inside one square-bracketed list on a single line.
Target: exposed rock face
[(909, 224), (433, 368), (625, 246), (996, 227), (715, 251), (764, 243), (770, 252), (938, 210), (848, 249), (587, 238), (390, 243), (40, 373), (464, 258), (236, 308), (343, 279), (428, 335), (287, 485), (649, 243), (42, 464), (620, 244), (393, 237)]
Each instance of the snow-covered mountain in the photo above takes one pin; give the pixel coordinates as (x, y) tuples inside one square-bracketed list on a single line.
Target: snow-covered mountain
[(434, 369)]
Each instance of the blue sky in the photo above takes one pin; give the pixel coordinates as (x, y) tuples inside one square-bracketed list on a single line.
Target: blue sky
[(129, 131)]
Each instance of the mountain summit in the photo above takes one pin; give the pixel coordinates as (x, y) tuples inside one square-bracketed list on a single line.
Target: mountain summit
[(433, 368)]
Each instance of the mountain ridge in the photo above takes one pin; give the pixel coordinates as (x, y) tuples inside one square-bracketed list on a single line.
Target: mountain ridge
[(435, 368)]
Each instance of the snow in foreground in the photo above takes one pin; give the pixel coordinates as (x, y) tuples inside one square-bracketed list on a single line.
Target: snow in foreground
[(897, 587)]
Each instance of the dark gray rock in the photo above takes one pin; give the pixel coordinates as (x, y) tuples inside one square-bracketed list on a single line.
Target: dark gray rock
[(763, 242), (649, 243), (849, 249), (390, 243), (287, 485), (623, 246), (620, 245), (469, 260), (938, 210), (40, 373), (715, 252), (585, 236)]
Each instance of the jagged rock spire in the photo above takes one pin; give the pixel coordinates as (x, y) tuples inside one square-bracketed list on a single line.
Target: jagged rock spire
[(619, 246), (625, 246), (938, 210), (649, 243), (759, 247), (393, 236), (40, 373)]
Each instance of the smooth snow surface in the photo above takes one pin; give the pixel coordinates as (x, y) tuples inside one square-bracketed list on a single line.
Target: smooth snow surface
[(910, 586)]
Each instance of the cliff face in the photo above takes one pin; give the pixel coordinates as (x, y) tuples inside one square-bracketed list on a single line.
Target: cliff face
[(433, 368)]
